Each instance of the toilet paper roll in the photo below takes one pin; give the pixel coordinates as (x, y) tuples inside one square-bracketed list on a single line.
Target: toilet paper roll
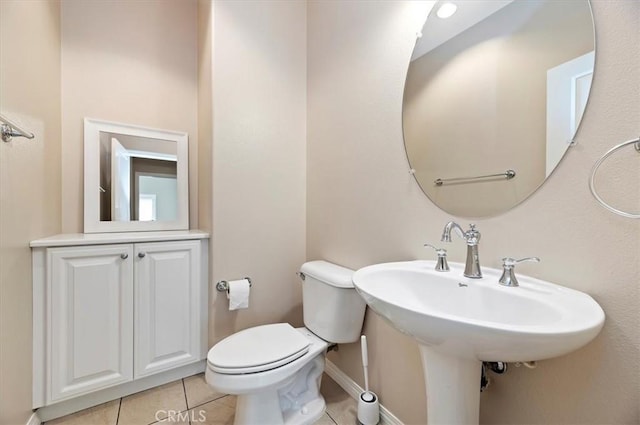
[(238, 294)]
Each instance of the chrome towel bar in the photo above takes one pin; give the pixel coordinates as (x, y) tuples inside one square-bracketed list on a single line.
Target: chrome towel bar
[(509, 174), (9, 130)]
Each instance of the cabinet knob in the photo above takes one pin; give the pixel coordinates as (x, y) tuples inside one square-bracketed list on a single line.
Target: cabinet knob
[(124, 256), (141, 254)]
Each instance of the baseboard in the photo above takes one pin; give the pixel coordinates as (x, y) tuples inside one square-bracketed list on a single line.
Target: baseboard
[(354, 390), (82, 402), (34, 419)]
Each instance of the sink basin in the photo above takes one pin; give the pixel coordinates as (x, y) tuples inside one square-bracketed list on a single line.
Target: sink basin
[(460, 322), (478, 318)]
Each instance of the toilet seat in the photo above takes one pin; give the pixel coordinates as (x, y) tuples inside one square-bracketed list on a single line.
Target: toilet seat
[(257, 349)]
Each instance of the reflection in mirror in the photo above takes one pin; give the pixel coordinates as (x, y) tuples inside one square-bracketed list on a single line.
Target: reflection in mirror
[(497, 86), (138, 178), (135, 178)]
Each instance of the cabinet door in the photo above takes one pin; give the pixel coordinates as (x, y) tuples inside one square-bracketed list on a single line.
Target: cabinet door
[(90, 315), (167, 308)]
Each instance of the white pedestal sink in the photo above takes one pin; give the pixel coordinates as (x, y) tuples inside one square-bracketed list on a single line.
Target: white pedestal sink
[(460, 322)]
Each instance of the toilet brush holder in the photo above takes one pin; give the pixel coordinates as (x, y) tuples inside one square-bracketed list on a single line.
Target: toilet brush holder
[(368, 408), (368, 404)]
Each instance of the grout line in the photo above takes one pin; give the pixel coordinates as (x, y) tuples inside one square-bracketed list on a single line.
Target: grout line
[(206, 402), (119, 407), (330, 417), (184, 393), (186, 402)]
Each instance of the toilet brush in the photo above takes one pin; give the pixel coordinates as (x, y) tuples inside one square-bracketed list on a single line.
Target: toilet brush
[(368, 404)]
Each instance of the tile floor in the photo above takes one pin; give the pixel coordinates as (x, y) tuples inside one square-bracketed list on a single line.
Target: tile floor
[(202, 406)]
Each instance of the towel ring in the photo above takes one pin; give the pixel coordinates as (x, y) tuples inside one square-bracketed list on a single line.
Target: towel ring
[(594, 170)]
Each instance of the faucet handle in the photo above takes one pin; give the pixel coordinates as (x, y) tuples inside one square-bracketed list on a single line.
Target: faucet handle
[(439, 251), (508, 277), (441, 265), (510, 262)]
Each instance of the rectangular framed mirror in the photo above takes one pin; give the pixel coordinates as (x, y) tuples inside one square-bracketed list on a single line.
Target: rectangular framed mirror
[(135, 178)]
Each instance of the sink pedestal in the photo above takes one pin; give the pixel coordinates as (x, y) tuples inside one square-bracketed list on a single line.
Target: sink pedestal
[(453, 388)]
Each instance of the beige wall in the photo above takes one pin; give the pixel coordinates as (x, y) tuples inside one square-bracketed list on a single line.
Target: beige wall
[(496, 68), (205, 114), (127, 61), (364, 208), (29, 181), (259, 116)]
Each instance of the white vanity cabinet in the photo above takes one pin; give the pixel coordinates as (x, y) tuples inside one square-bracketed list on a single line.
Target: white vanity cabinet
[(167, 295), (90, 315), (117, 313)]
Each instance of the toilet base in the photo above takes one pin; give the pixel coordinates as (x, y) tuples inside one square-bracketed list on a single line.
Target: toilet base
[(256, 408), (295, 402), (308, 415), (263, 408)]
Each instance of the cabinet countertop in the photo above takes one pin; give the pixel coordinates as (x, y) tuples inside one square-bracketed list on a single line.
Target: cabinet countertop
[(71, 239)]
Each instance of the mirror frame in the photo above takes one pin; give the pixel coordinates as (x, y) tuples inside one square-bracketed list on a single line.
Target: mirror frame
[(92, 223)]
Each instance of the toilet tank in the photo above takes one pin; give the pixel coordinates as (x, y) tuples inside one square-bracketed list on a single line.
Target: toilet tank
[(332, 308)]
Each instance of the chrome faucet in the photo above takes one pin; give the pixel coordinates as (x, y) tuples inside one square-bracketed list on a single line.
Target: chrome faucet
[(472, 238)]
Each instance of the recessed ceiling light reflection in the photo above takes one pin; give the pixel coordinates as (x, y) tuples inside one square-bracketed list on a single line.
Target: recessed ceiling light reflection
[(446, 10)]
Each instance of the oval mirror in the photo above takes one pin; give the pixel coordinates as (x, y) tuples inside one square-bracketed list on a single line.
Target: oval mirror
[(494, 95)]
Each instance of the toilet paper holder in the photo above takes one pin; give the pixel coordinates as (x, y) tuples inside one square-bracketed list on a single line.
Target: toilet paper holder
[(223, 285)]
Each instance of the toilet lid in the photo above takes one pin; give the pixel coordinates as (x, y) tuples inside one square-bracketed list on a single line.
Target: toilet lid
[(258, 349)]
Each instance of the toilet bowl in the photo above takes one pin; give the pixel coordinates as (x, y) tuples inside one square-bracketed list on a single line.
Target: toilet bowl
[(273, 392), (275, 369)]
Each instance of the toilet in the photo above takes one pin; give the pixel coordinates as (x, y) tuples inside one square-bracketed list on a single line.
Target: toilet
[(275, 370)]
